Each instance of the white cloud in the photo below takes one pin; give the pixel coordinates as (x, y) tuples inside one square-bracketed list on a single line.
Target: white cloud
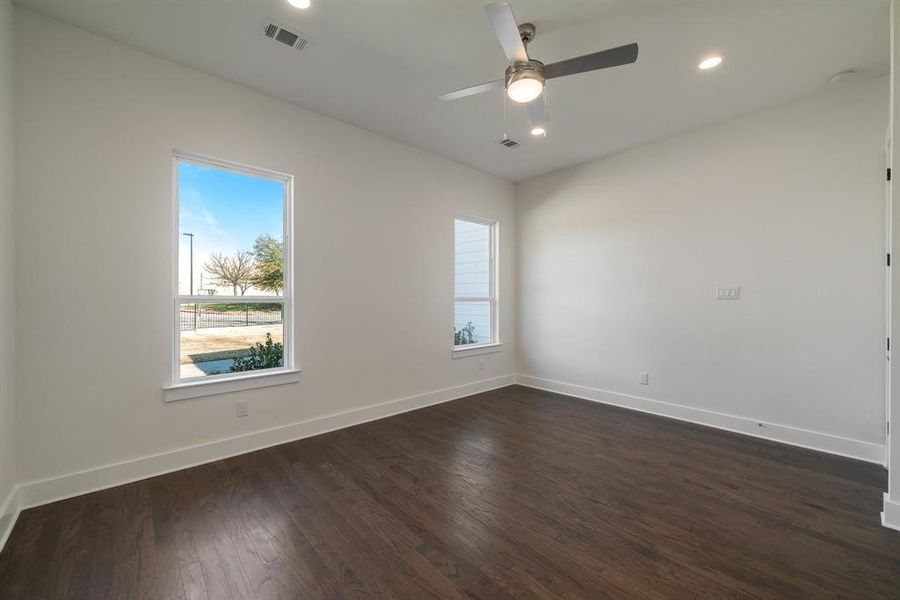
[(211, 221)]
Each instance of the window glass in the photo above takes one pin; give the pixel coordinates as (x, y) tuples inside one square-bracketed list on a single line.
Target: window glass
[(232, 300), (215, 339), (474, 304), (231, 227)]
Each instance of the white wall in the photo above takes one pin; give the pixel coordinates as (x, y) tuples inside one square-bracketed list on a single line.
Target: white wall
[(7, 293), (618, 260), (374, 253)]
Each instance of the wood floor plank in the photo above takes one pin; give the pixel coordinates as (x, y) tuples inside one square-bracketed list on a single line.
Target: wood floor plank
[(324, 547), (240, 525), (70, 565), (136, 551), (515, 493), (290, 549), (166, 513), (107, 575)]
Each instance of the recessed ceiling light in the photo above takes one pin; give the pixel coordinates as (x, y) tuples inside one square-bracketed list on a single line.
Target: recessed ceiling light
[(538, 131), (299, 3), (710, 62)]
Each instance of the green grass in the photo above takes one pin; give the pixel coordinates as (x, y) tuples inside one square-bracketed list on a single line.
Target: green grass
[(238, 307)]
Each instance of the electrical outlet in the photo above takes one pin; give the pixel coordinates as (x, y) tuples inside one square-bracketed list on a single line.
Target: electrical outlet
[(645, 379), (243, 409)]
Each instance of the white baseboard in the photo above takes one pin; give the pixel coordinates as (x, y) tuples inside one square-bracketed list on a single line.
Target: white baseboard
[(9, 514), (890, 516), (785, 434), (36, 493)]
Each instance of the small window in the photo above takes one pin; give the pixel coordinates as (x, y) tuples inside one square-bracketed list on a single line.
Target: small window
[(475, 298), (233, 292)]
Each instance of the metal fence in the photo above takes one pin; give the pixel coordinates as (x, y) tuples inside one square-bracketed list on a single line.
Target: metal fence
[(203, 318)]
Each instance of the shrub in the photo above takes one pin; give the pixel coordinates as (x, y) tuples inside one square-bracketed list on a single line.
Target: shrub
[(262, 356), (464, 336)]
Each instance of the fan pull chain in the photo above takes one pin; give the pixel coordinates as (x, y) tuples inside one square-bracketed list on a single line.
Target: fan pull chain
[(546, 111), (505, 130)]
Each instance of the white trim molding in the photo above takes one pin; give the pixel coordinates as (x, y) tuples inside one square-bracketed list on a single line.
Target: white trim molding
[(785, 434), (9, 514), (890, 516), (462, 351), (212, 387), (36, 493)]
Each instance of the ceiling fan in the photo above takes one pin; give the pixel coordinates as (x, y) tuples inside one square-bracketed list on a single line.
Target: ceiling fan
[(525, 77)]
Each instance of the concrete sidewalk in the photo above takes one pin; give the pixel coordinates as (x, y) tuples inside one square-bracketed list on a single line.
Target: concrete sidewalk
[(210, 367)]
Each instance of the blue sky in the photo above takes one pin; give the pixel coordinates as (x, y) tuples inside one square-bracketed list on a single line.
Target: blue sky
[(225, 211)]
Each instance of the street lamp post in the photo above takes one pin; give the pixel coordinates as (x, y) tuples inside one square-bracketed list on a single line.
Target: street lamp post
[(191, 236)]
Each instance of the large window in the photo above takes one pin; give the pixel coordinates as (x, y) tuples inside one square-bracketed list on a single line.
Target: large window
[(232, 300), (475, 301)]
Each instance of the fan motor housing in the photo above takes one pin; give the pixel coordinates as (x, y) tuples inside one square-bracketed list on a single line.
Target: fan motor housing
[(532, 69)]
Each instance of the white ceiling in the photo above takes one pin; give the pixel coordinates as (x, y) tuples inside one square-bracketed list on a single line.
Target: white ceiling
[(380, 64)]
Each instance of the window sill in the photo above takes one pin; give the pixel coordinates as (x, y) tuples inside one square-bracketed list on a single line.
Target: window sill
[(463, 352), (198, 389)]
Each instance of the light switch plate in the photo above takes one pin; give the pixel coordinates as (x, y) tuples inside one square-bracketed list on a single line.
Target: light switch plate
[(728, 292), (243, 409), (645, 378)]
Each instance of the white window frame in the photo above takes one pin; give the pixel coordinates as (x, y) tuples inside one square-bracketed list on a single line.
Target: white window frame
[(494, 345), (181, 388)]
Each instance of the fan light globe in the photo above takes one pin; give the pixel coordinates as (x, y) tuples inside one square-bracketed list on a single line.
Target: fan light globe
[(525, 89), (536, 131), (299, 3)]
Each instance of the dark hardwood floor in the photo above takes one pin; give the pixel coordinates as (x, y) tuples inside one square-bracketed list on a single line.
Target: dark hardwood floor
[(514, 493)]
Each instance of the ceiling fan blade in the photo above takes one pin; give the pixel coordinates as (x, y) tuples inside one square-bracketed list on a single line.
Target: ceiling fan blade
[(537, 112), (499, 84), (614, 57), (504, 22)]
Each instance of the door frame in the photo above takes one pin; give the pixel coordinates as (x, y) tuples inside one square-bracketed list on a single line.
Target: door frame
[(888, 241)]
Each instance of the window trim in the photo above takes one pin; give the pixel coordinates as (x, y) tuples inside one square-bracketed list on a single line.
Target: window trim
[(475, 349), (179, 387), (247, 381), (494, 344)]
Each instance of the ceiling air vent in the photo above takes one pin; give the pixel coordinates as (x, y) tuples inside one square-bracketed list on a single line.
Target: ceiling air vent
[(274, 31), (508, 142)]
